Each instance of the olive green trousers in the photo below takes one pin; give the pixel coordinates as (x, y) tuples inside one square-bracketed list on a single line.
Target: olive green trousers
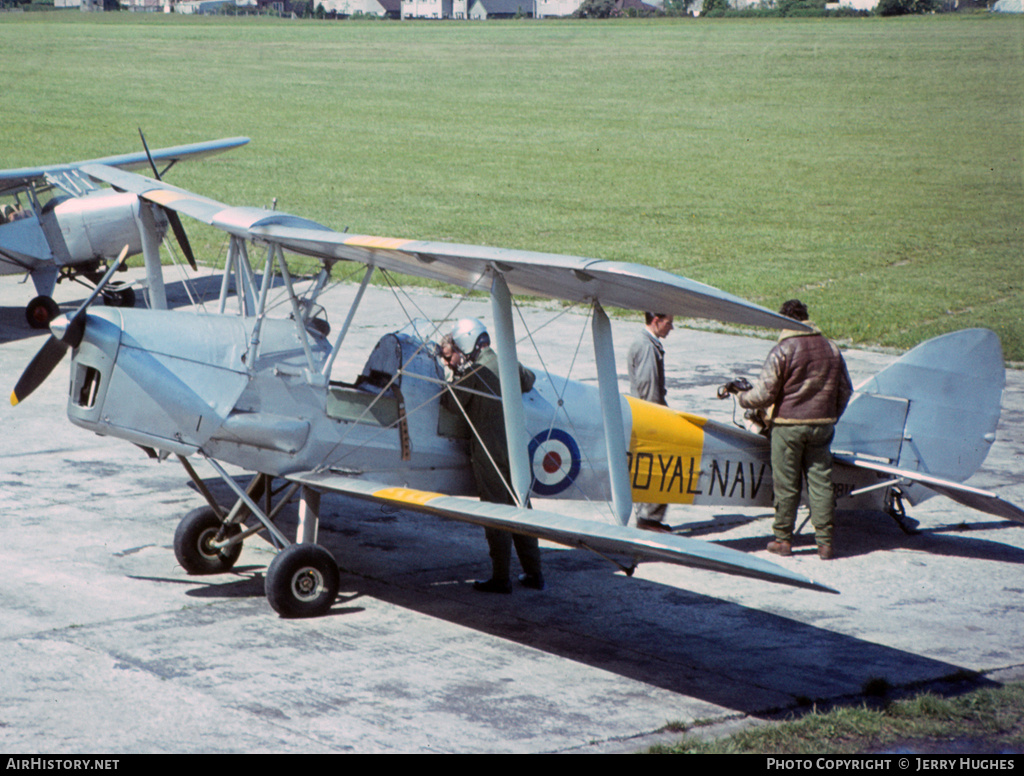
[(802, 454)]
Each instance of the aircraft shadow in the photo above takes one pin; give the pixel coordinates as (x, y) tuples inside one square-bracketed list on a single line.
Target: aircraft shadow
[(732, 656), (865, 532)]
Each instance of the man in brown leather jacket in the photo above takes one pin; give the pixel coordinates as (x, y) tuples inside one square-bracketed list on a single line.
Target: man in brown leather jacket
[(805, 382)]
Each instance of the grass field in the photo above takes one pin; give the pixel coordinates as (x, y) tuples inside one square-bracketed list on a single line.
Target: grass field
[(871, 167), (989, 720)]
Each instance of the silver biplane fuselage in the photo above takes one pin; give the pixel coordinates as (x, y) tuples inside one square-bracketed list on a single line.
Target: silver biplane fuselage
[(262, 402)]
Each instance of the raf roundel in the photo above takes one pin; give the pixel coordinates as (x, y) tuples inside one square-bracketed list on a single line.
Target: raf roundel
[(555, 461)]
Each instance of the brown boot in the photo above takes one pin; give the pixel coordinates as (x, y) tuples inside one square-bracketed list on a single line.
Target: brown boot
[(779, 548), (652, 525), (825, 552)]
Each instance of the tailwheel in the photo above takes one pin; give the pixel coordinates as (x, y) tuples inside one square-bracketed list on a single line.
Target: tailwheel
[(895, 509), (302, 581), (194, 542)]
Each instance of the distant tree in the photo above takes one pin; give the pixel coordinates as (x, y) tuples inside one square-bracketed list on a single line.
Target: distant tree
[(715, 8), (678, 7), (902, 7), (800, 7), (595, 9)]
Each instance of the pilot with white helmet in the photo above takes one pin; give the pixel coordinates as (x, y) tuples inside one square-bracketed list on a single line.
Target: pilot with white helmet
[(467, 351)]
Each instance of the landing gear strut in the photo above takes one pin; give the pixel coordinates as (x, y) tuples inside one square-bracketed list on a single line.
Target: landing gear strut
[(302, 580)]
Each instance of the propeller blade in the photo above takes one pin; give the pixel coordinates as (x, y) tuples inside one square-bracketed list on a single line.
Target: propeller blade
[(172, 217), (39, 368), (73, 335), (53, 350), (145, 146), (179, 233)]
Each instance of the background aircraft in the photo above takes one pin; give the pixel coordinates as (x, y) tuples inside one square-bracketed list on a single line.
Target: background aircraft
[(57, 224), (257, 392)]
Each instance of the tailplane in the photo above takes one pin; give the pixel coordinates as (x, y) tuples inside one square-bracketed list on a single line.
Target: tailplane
[(933, 413)]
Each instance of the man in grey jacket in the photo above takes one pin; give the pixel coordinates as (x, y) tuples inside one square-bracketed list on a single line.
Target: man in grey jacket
[(646, 364), (807, 386)]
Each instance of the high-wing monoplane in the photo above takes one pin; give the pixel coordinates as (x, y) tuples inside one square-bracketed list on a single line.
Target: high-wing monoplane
[(58, 224), (257, 392)]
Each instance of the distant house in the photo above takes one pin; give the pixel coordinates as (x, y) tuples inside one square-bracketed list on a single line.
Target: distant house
[(389, 8), (500, 9), (641, 8), (201, 6), (430, 9), (543, 8)]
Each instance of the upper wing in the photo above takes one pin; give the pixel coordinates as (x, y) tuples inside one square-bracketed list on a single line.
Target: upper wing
[(569, 531), (63, 175), (572, 278), (975, 498)]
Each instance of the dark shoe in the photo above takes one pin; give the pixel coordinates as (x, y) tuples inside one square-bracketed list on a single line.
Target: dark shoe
[(532, 581), (652, 525), (492, 586), (825, 552), (779, 548)]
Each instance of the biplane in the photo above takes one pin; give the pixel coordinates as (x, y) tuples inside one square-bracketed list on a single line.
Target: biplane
[(258, 392), (57, 224)]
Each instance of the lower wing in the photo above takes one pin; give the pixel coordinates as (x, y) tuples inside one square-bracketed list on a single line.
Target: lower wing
[(573, 532)]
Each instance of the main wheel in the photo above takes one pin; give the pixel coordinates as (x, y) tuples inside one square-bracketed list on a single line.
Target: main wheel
[(40, 311), (193, 543), (302, 581), (121, 295)]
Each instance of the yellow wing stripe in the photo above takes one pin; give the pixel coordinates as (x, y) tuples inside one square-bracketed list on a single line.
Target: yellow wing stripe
[(665, 449), (165, 197), (407, 495)]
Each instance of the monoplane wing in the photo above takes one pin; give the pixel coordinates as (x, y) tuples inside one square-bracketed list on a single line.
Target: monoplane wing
[(556, 276), (572, 532), (65, 176), (975, 498)]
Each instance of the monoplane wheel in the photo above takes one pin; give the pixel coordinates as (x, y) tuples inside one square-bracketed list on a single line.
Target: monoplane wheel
[(302, 581), (120, 296), (40, 311), (193, 543)]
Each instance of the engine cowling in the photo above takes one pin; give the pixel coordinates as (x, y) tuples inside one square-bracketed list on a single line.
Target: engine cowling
[(96, 226)]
